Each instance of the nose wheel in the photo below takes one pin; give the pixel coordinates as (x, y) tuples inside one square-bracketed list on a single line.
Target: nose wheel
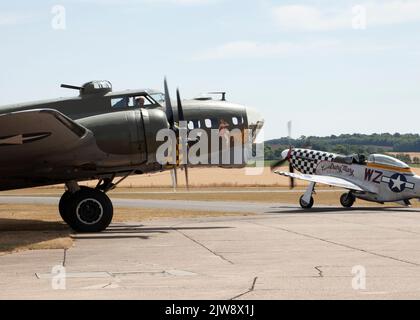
[(86, 210)]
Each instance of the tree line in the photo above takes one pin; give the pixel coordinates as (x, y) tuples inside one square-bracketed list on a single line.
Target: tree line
[(349, 144)]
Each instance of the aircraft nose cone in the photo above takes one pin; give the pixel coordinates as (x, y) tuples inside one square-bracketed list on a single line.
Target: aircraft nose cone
[(285, 154), (255, 119), (255, 122)]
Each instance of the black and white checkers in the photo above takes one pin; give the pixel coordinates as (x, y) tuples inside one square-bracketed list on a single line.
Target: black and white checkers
[(306, 161)]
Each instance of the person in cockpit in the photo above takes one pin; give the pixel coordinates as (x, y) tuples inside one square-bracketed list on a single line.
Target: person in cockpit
[(140, 102)]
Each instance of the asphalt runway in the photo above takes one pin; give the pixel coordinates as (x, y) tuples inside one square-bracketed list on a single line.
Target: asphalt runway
[(281, 252)]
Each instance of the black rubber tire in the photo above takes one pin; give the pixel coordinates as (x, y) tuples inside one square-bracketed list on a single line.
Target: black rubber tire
[(305, 205), (64, 204), (347, 200), (89, 211)]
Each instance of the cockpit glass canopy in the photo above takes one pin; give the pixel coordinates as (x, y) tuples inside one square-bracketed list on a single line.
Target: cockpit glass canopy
[(158, 97), (386, 160)]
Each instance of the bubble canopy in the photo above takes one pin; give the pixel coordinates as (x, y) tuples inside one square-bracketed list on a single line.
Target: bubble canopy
[(95, 87), (387, 160)]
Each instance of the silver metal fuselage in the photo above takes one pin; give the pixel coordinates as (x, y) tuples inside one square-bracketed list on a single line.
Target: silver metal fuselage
[(382, 183)]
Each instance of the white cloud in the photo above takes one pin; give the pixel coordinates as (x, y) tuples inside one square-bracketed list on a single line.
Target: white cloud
[(12, 18), (260, 50), (379, 13), (302, 17), (253, 50), (131, 2), (393, 12)]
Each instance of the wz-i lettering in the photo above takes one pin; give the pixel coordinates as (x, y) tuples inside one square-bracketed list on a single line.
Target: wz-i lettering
[(373, 175)]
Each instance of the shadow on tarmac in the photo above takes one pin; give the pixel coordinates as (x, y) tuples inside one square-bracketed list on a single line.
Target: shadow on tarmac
[(330, 210)]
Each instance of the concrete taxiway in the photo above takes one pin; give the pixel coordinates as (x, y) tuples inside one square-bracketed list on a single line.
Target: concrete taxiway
[(279, 253)]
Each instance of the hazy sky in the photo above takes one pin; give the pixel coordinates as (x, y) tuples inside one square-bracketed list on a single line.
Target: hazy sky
[(312, 62)]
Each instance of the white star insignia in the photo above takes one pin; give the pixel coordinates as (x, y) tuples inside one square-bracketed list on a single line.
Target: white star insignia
[(397, 183)]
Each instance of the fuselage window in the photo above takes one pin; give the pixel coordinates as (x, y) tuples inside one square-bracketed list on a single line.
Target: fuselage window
[(208, 123), (131, 102), (235, 121), (190, 125)]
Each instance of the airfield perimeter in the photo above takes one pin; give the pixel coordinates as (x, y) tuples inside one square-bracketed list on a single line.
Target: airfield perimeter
[(248, 248)]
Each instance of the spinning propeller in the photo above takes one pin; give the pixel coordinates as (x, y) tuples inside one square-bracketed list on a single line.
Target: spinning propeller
[(286, 157), (181, 143)]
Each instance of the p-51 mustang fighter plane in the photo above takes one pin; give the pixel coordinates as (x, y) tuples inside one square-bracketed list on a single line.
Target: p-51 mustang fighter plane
[(101, 135), (379, 178)]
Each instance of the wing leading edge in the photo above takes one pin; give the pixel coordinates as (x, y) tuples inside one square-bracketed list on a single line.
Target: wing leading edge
[(27, 135), (331, 181)]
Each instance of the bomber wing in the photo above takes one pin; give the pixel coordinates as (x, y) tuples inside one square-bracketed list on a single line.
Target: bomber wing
[(29, 135)]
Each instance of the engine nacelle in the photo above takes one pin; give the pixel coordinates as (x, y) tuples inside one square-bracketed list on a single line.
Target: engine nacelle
[(128, 137)]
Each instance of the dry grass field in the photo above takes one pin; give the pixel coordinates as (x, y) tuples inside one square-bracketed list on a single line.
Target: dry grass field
[(411, 154), (216, 177), (202, 178), (36, 227)]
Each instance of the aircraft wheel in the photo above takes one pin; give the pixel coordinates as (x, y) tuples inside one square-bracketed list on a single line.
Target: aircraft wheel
[(305, 205), (64, 204), (347, 200), (89, 210)]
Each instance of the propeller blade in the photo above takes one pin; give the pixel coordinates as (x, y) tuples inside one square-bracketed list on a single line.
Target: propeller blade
[(292, 180), (184, 142), (278, 164), (168, 105), (180, 108), (171, 121), (187, 181), (174, 176)]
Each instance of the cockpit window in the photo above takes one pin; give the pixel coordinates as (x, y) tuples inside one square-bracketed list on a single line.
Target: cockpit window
[(119, 102), (386, 160), (142, 102), (132, 102), (159, 98)]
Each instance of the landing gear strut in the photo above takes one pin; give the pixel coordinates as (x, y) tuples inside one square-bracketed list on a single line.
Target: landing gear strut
[(347, 200), (89, 210), (307, 200), (86, 210)]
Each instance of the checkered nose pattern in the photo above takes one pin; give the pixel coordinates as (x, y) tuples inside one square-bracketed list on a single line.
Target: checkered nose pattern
[(306, 161)]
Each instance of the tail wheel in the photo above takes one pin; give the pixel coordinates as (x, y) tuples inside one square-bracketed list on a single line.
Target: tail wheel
[(347, 200), (306, 205), (88, 210)]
